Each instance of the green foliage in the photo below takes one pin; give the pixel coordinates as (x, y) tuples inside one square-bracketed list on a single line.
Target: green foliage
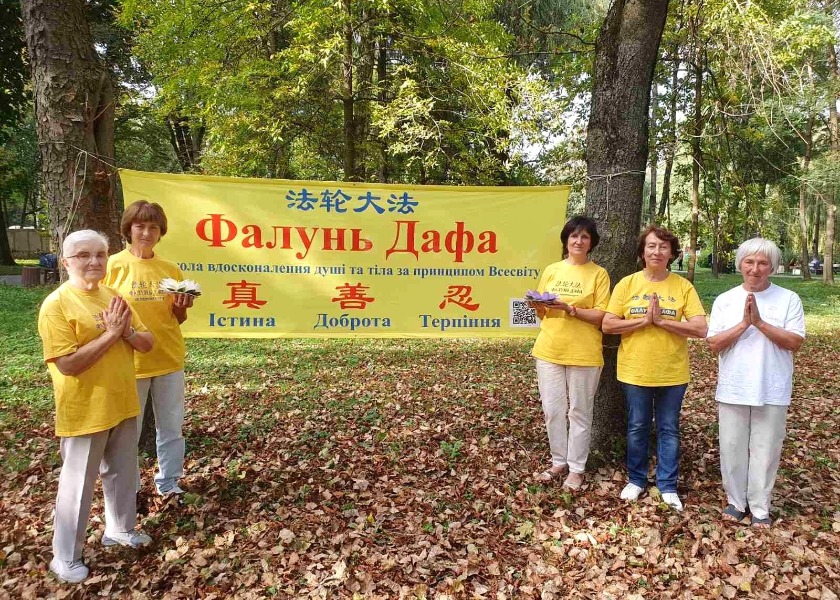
[(20, 174), (14, 95), (440, 93)]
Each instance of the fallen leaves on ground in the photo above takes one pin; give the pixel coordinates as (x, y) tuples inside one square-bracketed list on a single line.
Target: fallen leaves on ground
[(401, 471)]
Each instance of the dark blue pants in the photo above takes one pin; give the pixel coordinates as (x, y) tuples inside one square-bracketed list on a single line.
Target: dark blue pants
[(663, 404)]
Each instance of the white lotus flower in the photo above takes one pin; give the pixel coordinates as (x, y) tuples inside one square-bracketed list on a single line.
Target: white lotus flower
[(188, 286)]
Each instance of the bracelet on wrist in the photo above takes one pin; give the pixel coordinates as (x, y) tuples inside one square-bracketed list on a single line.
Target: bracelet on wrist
[(573, 311), (131, 334)]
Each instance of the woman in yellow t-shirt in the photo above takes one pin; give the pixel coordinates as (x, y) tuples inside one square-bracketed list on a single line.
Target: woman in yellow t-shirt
[(136, 273), (568, 350), (654, 311), (89, 335)]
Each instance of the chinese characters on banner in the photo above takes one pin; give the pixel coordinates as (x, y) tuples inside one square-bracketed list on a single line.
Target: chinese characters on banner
[(328, 259)]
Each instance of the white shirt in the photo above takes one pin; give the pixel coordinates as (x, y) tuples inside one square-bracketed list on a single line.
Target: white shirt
[(754, 371)]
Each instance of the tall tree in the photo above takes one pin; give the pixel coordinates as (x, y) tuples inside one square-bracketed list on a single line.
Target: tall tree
[(696, 150), (834, 137), (74, 109), (13, 95), (808, 138), (616, 154)]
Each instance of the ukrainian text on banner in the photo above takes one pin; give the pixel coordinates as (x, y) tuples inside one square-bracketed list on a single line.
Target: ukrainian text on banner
[(279, 258)]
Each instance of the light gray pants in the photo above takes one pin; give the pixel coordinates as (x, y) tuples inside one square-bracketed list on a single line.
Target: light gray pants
[(563, 387), (750, 448), (113, 455), (167, 394)]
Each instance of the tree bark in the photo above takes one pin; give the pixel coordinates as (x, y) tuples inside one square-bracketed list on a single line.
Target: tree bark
[(6, 257), (696, 162), (815, 241), (187, 142), (616, 154), (834, 136), (381, 95), (654, 156), (74, 111), (671, 149), (803, 196), (347, 98)]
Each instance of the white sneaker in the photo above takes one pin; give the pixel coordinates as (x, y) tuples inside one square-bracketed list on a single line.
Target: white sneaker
[(175, 490), (130, 539), (673, 501), (71, 571), (631, 492)]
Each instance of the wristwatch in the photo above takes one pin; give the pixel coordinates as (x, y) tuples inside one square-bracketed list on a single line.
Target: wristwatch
[(573, 311), (130, 335)]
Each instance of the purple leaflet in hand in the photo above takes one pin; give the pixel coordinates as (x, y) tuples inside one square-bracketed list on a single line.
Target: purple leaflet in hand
[(535, 296)]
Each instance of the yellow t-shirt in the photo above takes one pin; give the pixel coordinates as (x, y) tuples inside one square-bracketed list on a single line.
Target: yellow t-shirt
[(651, 356), (106, 393), (564, 339), (138, 281)]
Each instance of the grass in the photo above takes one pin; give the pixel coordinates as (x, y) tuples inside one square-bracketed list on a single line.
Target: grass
[(818, 299), (295, 367)]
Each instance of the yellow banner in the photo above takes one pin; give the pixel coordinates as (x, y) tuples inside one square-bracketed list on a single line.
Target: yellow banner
[(279, 258)]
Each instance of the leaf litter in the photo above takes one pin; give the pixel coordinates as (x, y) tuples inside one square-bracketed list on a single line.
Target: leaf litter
[(403, 470)]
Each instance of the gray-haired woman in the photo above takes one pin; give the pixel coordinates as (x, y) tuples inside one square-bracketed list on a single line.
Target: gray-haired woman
[(754, 328), (90, 335)]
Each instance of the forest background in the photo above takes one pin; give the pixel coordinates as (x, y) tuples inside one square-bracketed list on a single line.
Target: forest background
[(478, 92)]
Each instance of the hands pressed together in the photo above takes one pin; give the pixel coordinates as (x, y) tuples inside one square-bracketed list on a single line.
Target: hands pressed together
[(117, 317), (751, 314), (653, 316)]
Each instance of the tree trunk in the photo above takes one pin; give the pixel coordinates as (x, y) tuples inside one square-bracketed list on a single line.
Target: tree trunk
[(6, 257), (74, 110), (696, 162), (803, 194), (671, 149), (616, 154), (815, 241), (834, 134), (347, 98), (381, 95), (654, 156), (187, 142)]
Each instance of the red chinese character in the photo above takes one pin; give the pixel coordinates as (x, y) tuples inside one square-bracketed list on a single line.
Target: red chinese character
[(460, 295), (352, 296), (245, 293)]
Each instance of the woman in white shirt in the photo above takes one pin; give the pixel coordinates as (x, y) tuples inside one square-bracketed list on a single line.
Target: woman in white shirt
[(754, 328)]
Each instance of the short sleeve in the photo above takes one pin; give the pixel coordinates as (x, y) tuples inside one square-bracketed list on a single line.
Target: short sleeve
[(602, 290), (795, 321), (110, 277), (616, 303), (543, 281), (716, 320), (693, 306), (57, 334), (135, 320)]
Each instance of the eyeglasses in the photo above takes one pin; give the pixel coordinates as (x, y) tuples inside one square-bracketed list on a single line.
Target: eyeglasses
[(88, 257)]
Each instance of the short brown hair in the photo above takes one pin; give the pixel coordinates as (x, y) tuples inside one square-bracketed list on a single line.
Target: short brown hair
[(140, 212), (664, 235)]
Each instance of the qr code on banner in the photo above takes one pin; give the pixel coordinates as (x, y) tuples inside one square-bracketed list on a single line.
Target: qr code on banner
[(522, 315)]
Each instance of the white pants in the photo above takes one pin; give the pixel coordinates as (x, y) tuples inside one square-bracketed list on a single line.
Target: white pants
[(750, 447), (113, 455), (167, 394), (572, 387)]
